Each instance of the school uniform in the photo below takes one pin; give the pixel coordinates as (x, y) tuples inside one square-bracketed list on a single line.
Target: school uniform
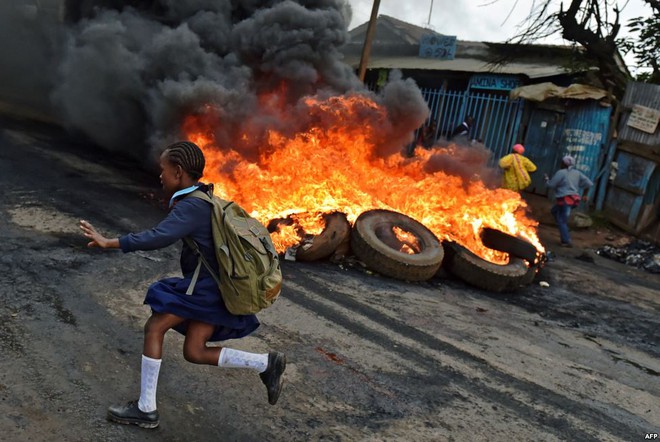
[(189, 217)]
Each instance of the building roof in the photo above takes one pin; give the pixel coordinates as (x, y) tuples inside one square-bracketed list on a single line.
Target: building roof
[(407, 32), (396, 46), (532, 70)]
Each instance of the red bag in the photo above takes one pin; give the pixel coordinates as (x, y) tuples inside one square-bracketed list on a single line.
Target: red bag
[(569, 200)]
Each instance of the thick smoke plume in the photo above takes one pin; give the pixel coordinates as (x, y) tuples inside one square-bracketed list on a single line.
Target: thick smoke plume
[(126, 74), (29, 54), (469, 161)]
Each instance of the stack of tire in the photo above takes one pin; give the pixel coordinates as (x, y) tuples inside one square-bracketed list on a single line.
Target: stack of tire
[(373, 242)]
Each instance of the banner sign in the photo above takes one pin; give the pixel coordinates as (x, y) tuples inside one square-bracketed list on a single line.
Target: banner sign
[(494, 82), (644, 118), (442, 47)]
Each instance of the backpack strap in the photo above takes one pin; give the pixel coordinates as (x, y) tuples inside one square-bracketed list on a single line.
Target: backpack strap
[(195, 248), (208, 197), (201, 195), (200, 261), (269, 247)]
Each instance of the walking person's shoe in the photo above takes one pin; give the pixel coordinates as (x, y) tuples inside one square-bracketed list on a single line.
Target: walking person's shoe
[(130, 414), (566, 244), (272, 377)]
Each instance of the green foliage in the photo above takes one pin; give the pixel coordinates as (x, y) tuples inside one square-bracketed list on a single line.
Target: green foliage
[(648, 77), (645, 46)]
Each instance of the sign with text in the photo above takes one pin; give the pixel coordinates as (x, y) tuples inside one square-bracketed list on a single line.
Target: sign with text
[(644, 118), (442, 47), (494, 82), (579, 144)]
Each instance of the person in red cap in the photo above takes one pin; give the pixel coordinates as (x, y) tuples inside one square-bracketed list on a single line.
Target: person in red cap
[(517, 169)]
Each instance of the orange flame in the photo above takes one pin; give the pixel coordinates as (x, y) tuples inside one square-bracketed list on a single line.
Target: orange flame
[(409, 242), (332, 166)]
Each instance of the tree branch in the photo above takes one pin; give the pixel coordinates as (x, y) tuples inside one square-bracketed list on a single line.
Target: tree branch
[(654, 4), (601, 48)]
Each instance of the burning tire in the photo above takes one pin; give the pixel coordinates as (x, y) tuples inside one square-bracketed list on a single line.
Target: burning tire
[(518, 247), (529, 276), (337, 232), (396, 245), (483, 274)]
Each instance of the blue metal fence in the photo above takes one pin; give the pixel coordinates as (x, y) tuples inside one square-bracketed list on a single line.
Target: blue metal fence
[(496, 117)]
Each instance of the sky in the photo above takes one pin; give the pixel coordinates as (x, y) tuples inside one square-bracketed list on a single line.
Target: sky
[(473, 20)]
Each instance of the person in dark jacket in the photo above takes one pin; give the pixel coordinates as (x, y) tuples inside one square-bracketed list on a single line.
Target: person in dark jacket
[(568, 183), (426, 137), (201, 316), (461, 133)]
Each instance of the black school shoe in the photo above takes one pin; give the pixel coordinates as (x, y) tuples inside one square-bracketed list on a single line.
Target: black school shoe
[(272, 377), (131, 414)]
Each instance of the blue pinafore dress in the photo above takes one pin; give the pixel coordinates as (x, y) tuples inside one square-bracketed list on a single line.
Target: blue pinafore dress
[(189, 217)]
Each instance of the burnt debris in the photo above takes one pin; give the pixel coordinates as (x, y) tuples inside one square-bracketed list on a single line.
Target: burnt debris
[(641, 254)]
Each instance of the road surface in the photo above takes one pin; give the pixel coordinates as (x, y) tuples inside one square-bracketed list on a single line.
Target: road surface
[(370, 358)]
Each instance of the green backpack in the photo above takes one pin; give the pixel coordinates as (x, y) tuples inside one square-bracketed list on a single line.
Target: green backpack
[(249, 274)]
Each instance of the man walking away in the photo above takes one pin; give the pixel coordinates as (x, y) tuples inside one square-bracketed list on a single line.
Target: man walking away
[(567, 183)]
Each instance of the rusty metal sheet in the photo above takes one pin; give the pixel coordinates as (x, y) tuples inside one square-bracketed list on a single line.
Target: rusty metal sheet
[(544, 91), (642, 94)]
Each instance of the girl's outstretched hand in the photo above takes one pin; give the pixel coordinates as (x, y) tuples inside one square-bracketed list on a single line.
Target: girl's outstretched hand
[(97, 240)]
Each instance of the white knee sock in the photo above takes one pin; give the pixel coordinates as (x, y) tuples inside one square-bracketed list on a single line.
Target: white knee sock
[(148, 384), (230, 358)]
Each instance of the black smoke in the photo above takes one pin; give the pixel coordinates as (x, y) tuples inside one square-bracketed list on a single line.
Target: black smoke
[(29, 58), (126, 74), (468, 161)]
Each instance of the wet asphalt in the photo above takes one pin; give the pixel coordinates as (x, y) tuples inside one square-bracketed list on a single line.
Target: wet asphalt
[(370, 358)]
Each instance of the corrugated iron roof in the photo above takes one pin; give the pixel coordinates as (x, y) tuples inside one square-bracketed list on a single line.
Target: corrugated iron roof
[(406, 32), (396, 46), (532, 70)]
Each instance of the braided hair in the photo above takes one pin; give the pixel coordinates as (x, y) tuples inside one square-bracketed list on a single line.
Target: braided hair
[(187, 155)]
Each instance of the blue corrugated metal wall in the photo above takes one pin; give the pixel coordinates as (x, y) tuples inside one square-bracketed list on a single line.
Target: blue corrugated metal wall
[(580, 131), (542, 145), (626, 194), (496, 117), (632, 199), (585, 134)]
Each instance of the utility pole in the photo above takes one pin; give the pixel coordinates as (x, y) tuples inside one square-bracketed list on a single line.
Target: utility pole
[(430, 12), (371, 29)]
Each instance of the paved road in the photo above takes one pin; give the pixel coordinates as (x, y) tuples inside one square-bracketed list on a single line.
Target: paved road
[(370, 358)]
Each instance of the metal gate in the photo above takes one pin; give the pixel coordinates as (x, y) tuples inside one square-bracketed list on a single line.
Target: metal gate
[(543, 145), (580, 131), (496, 117)]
